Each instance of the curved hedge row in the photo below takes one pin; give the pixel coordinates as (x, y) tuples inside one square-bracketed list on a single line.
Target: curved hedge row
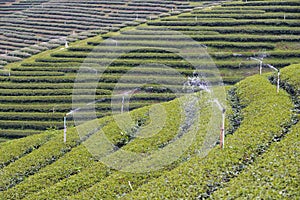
[(25, 26), (14, 150), (76, 158), (275, 173), (200, 177), (97, 178), (86, 171), (49, 78), (28, 165)]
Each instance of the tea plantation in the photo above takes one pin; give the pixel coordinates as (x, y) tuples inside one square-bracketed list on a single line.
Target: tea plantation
[(131, 106), (261, 155), (37, 94)]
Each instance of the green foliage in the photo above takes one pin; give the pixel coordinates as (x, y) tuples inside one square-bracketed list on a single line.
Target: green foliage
[(274, 175), (13, 150), (90, 171), (46, 80), (17, 171), (116, 185), (291, 76), (74, 174), (252, 165), (69, 164), (201, 176), (292, 23)]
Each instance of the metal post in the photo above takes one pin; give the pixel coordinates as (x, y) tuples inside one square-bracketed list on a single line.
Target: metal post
[(260, 63), (66, 44), (222, 134), (122, 108), (260, 67), (223, 128), (278, 81), (65, 129)]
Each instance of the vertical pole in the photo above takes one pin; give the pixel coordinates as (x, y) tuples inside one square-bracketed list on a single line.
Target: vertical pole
[(260, 67), (221, 137), (122, 108), (278, 81), (66, 44), (65, 129), (223, 128)]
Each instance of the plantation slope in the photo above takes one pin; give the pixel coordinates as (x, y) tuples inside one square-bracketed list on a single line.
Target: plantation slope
[(274, 175), (29, 26), (53, 161), (48, 153), (76, 170), (111, 183), (13, 150), (261, 124), (59, 171), (37, 94), (290, 80), (73, 162)]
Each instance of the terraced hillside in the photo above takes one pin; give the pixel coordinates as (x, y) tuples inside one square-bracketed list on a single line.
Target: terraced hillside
[(28, 27), (38, 96), (263, 146), (36, 93), (236, 31)]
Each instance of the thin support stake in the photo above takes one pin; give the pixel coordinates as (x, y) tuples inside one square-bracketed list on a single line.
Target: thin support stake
[(223, 129), (278, 81), (222, 132), (221, 137), (122, 108), (260, 67), (66, 45), (260, 63), (65, 129)]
